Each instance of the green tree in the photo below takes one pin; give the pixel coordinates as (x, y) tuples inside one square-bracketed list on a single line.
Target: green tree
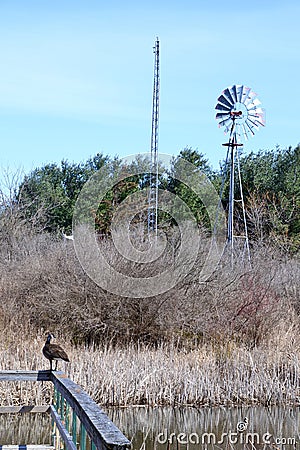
[(271, 183), (189, 197), (49, 193)]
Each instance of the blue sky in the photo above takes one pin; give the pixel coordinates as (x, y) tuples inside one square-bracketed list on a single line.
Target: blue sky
[(76, 76)]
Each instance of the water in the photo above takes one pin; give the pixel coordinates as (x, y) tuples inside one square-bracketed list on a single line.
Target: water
[(209, 428), (178, 428), (20, 429)]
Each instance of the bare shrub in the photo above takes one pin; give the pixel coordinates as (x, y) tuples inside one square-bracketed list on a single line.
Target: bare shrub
[(244, 304), (43, 284)]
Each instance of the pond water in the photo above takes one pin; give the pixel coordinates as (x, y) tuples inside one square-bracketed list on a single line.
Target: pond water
[(209, 428), (178, 428), (20, 429)]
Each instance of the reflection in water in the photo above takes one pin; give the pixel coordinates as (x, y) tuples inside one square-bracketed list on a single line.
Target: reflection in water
[(177, 428), (21, 429), (209, 428)]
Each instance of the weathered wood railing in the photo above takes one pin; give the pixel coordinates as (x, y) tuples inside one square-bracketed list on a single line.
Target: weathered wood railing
[(71, 407)]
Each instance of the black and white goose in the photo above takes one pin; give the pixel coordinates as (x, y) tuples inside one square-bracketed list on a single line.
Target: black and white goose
[(54, 352)]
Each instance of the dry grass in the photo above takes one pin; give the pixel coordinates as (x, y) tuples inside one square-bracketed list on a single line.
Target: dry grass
[(223, 374)]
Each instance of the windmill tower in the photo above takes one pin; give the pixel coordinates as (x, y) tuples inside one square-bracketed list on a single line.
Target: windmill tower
[(240, 114), (153, 173)]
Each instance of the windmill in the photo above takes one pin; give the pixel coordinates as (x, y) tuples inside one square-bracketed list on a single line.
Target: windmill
[(240, 114)]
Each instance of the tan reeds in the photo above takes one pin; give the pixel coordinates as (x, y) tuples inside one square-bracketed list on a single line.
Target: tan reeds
[(204, 376), (226, 374)]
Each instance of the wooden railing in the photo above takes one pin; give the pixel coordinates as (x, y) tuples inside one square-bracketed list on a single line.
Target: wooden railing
[(78, 419)]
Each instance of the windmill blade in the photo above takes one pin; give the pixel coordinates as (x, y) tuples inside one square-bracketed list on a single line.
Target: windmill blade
[(253, 122), (239, 92), (226, 123), (223, 100), (250, 127), (221, 108), (245, 132), (245, 93), (258, 118), (242, 120), (253, 114), (258, 111), (229, 96), (250, 97), (254, 104), (232, 91), (223, 115), (261, 119)]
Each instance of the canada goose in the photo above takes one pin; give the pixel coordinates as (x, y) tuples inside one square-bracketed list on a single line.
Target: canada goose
[(54, 352)]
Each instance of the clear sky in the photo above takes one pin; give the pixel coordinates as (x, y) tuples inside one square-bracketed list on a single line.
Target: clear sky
[(76, 76)]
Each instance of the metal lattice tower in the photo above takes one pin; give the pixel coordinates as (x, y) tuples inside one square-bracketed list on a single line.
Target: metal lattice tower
[(153, 188), (240, 114)]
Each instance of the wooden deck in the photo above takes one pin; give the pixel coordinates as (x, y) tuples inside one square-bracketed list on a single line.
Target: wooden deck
[(101, 431)]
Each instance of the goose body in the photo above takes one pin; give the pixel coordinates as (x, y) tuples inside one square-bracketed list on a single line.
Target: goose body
[(54, 352)]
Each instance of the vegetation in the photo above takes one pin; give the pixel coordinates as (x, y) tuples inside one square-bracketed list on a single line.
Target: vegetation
[(208, 375), (271, 183), (230, 340)]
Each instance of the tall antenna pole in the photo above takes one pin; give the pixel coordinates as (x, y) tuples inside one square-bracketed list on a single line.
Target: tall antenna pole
[(153, 191)]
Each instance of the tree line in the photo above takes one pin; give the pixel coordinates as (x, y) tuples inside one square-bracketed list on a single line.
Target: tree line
[(271, 186)]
